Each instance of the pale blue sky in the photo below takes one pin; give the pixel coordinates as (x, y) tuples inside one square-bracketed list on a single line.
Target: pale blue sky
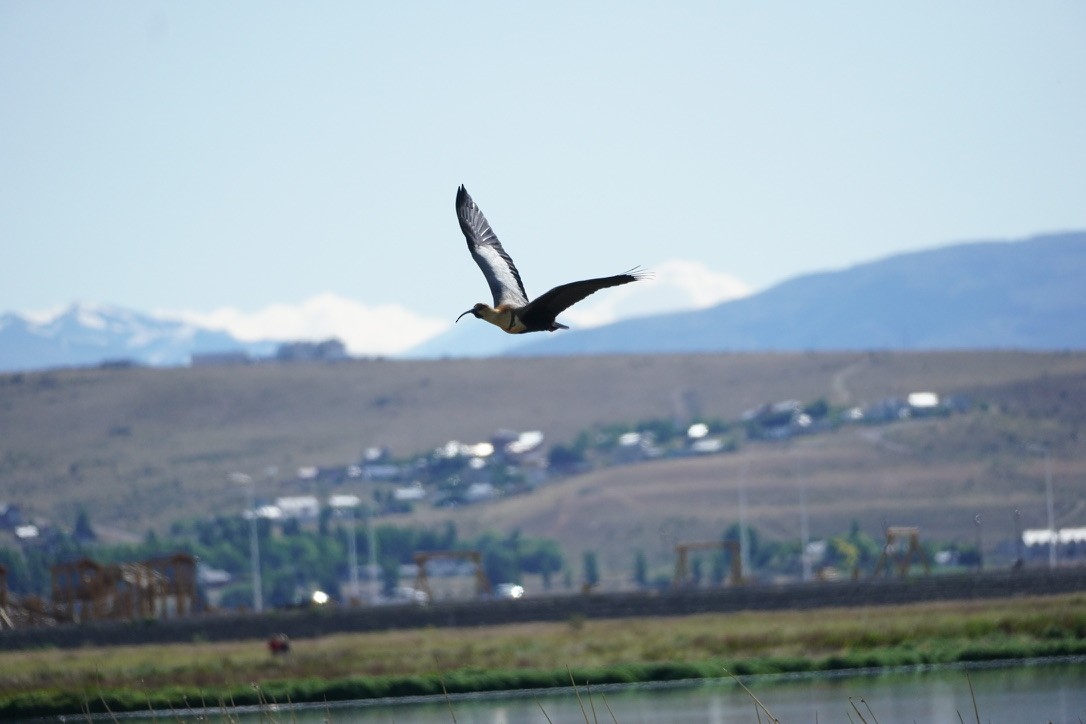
[(202, 155)]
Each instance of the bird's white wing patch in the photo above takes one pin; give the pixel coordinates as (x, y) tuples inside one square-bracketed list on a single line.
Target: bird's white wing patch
[(500, 272)]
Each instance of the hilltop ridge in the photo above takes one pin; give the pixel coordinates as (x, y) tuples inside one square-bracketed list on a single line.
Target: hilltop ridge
[(140, 448)]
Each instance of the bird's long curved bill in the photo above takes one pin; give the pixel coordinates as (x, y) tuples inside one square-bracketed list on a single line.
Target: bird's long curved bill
[(461, 316)]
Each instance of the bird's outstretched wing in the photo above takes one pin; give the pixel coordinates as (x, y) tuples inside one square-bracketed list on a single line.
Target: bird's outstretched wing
[(498, 268), (546, 307)]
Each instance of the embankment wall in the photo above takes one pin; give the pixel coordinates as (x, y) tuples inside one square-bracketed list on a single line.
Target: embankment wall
[(759, 597)]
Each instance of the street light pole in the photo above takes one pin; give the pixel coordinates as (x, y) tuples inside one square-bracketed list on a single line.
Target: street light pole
[(254, 554), (1050, 502), (254, 542), (352, 556), (374, 590), (980, 544), (804, 527), (1049, 497), (744, 538), (349, 503), (1019, 560)]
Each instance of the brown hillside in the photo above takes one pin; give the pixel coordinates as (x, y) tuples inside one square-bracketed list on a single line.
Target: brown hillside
[(139, 448)]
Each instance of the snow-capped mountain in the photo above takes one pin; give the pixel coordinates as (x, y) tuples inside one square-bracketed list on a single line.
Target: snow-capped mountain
[(85, 334), (1025, 294)]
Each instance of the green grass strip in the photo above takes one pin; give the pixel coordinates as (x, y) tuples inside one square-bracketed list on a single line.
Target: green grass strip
[(314, 690)]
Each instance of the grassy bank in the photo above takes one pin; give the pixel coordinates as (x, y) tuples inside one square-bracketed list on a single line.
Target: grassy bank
[(420, 662)]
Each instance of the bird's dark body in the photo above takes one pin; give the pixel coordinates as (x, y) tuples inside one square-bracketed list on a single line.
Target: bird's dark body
[(512, 312), (540, 313)]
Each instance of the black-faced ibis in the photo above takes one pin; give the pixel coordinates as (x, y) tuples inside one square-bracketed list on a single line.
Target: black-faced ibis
[(512, 312)]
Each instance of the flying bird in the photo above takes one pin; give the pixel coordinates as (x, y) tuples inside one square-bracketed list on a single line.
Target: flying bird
[(512, 312)]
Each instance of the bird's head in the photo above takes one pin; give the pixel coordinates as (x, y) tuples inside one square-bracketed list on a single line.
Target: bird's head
[(474, 311)]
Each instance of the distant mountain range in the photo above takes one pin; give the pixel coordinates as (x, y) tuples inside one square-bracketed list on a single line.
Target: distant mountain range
[(1027, 294), (85, 334)]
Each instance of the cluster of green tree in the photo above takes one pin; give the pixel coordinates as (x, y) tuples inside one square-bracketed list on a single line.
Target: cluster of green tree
[(28, 568), (294, 558), (847, 553), (298, 559)]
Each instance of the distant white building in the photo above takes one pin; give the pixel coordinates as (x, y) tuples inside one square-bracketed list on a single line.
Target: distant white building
[(409, 493), (1045, 536), (299, 507), (478, 492), (923, 400), (707, 446), (525, 443), (344, 500), (26, 532), (208, 576)]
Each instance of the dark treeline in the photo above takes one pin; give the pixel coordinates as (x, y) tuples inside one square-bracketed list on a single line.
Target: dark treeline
[(298, 558), (295, 559)]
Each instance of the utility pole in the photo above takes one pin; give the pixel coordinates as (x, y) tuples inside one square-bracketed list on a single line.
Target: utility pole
[(1050, 502), (980, 555), (804, 525), (374, 583), (254, 542), (352, 555), (1019, 561), (744, 538), (1051, 505), (349, 503)]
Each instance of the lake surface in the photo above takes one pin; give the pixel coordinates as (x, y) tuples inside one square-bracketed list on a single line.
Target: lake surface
[(1017, 694)]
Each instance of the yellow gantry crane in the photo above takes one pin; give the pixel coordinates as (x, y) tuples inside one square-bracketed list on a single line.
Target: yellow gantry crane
[(86, 590), (892, 553), (682, 552), (422, 581)]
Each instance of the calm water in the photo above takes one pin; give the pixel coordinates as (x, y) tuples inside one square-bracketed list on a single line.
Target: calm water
[(1020, 694)]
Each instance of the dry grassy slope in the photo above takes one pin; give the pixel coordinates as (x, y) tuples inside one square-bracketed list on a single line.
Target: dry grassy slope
[(142, 447), (913, 475)]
